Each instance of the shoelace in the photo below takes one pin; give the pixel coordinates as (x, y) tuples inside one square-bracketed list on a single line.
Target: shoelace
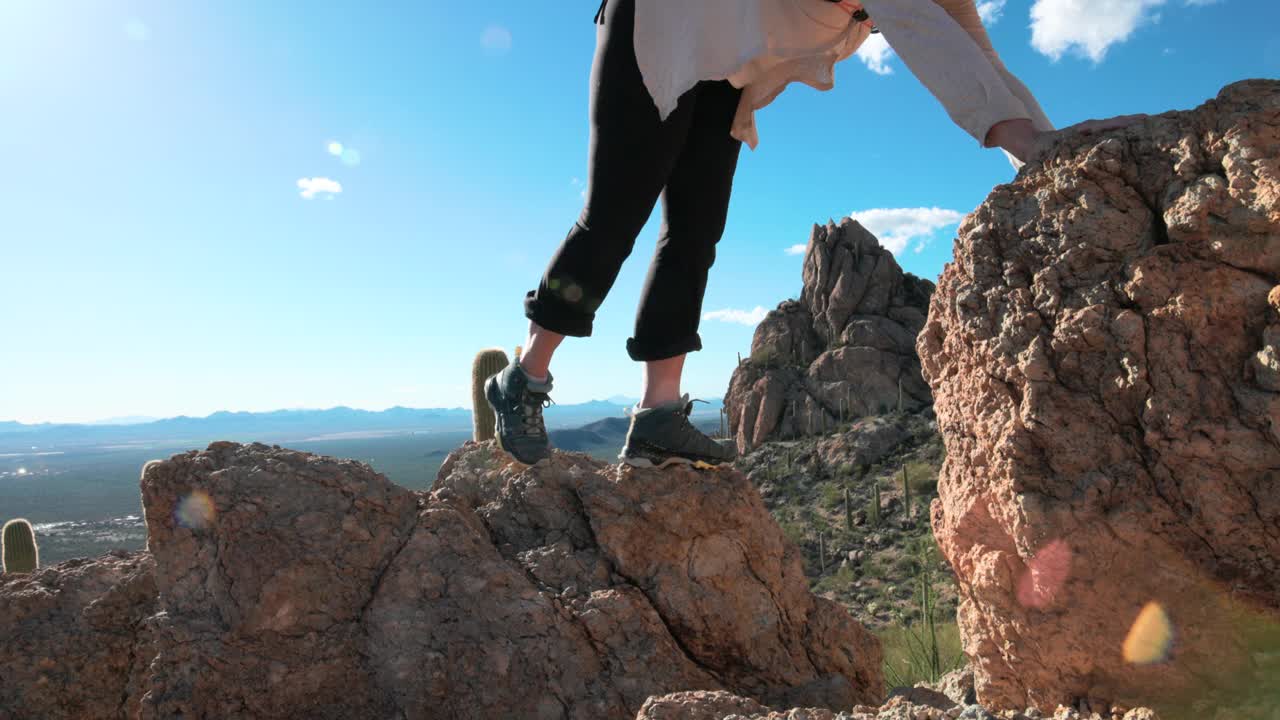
[(533, 424)]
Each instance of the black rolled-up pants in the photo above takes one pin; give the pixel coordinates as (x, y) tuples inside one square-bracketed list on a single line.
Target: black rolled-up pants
[(688, 160)]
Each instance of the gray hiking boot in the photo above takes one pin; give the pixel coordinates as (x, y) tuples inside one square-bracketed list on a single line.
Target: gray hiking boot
[(517, 404), (663, 435)]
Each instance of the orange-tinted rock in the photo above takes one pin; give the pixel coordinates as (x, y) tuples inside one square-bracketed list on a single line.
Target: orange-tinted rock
[(1102, 355)]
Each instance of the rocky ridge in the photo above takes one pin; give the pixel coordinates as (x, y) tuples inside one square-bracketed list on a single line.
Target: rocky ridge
[(844, 350), (277, 582)]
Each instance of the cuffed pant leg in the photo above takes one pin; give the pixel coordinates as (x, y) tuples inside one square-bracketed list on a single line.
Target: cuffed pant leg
[(632, 153), (695, 207)]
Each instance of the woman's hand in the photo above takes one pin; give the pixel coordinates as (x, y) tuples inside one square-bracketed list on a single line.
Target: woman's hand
[(1020, 138), (1017, 137)]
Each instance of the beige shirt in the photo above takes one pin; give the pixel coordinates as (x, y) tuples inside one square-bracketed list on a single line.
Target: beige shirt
[(762, 46)]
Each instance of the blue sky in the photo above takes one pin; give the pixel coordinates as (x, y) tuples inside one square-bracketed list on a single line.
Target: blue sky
[(159, 258)]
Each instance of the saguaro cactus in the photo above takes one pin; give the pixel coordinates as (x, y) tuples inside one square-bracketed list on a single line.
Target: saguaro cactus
[(848, 510), (906, 492), (875, 503), (487, 363), (19, 547)]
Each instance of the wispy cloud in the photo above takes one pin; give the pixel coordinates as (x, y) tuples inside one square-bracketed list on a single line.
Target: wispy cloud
[(875, 53), (991, 10), (797, 249), (897, 227), (1091, 27), (496, 40), (311, 187), (740, 317)]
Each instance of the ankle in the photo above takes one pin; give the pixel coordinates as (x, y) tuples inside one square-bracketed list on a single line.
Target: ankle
[(653, 400), (535, 372)]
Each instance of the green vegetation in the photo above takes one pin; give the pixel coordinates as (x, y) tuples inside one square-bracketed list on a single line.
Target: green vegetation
[(907, 662), (923, 477), (487, 363), (925, 648), (873, 511), (19, 547)]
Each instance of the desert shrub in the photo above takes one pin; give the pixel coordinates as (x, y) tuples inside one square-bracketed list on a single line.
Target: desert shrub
[(794, 531), (907, 661), (923, 477), (832, 495)]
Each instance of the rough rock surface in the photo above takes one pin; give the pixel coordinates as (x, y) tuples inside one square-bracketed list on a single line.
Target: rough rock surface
[(842, 351), (74, 639), (278, 584), (922, 702), (1102, 352)]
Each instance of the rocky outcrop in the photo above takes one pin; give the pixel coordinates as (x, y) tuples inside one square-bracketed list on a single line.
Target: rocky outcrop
[(1102, 354), (278, 584), (76, 639), (844, 350), (949, 699)]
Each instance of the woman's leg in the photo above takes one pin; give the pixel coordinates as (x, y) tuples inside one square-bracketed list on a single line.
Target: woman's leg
[(631, 155), (695, 204), (662, 381)]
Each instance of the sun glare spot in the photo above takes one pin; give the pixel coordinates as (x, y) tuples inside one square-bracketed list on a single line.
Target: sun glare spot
[(1150, 638), (1045, 575), (195, 510), (22, 471), (335, 148)]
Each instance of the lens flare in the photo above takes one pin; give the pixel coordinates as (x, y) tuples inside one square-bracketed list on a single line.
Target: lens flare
[(1045, 575), (335, 148), (195, 511), (350, 157), (1150, 638)]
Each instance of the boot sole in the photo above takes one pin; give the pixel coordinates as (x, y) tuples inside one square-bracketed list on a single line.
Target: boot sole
[(640, 461), (647, 463)]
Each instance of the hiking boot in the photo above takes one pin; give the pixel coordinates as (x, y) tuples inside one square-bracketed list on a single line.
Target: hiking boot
[(661, 436), (517, 404)]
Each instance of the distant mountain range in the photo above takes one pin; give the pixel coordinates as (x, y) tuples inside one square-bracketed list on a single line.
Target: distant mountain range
[(292, 425)]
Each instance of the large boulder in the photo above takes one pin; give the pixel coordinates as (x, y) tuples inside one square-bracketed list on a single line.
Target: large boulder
[(844, 350), (279, 584), (1102, 352)]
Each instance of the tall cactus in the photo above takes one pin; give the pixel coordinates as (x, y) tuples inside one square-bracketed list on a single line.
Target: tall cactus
[(875, 503), (487, 363), (906, 492), (848, 510), (19, 547)]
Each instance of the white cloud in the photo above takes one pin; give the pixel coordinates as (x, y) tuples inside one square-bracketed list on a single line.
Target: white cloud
[(496, 39), (1090, 27), (741, 317), (897, 227), (312, 186), (797, 249), (875, 53), (991, 10)]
